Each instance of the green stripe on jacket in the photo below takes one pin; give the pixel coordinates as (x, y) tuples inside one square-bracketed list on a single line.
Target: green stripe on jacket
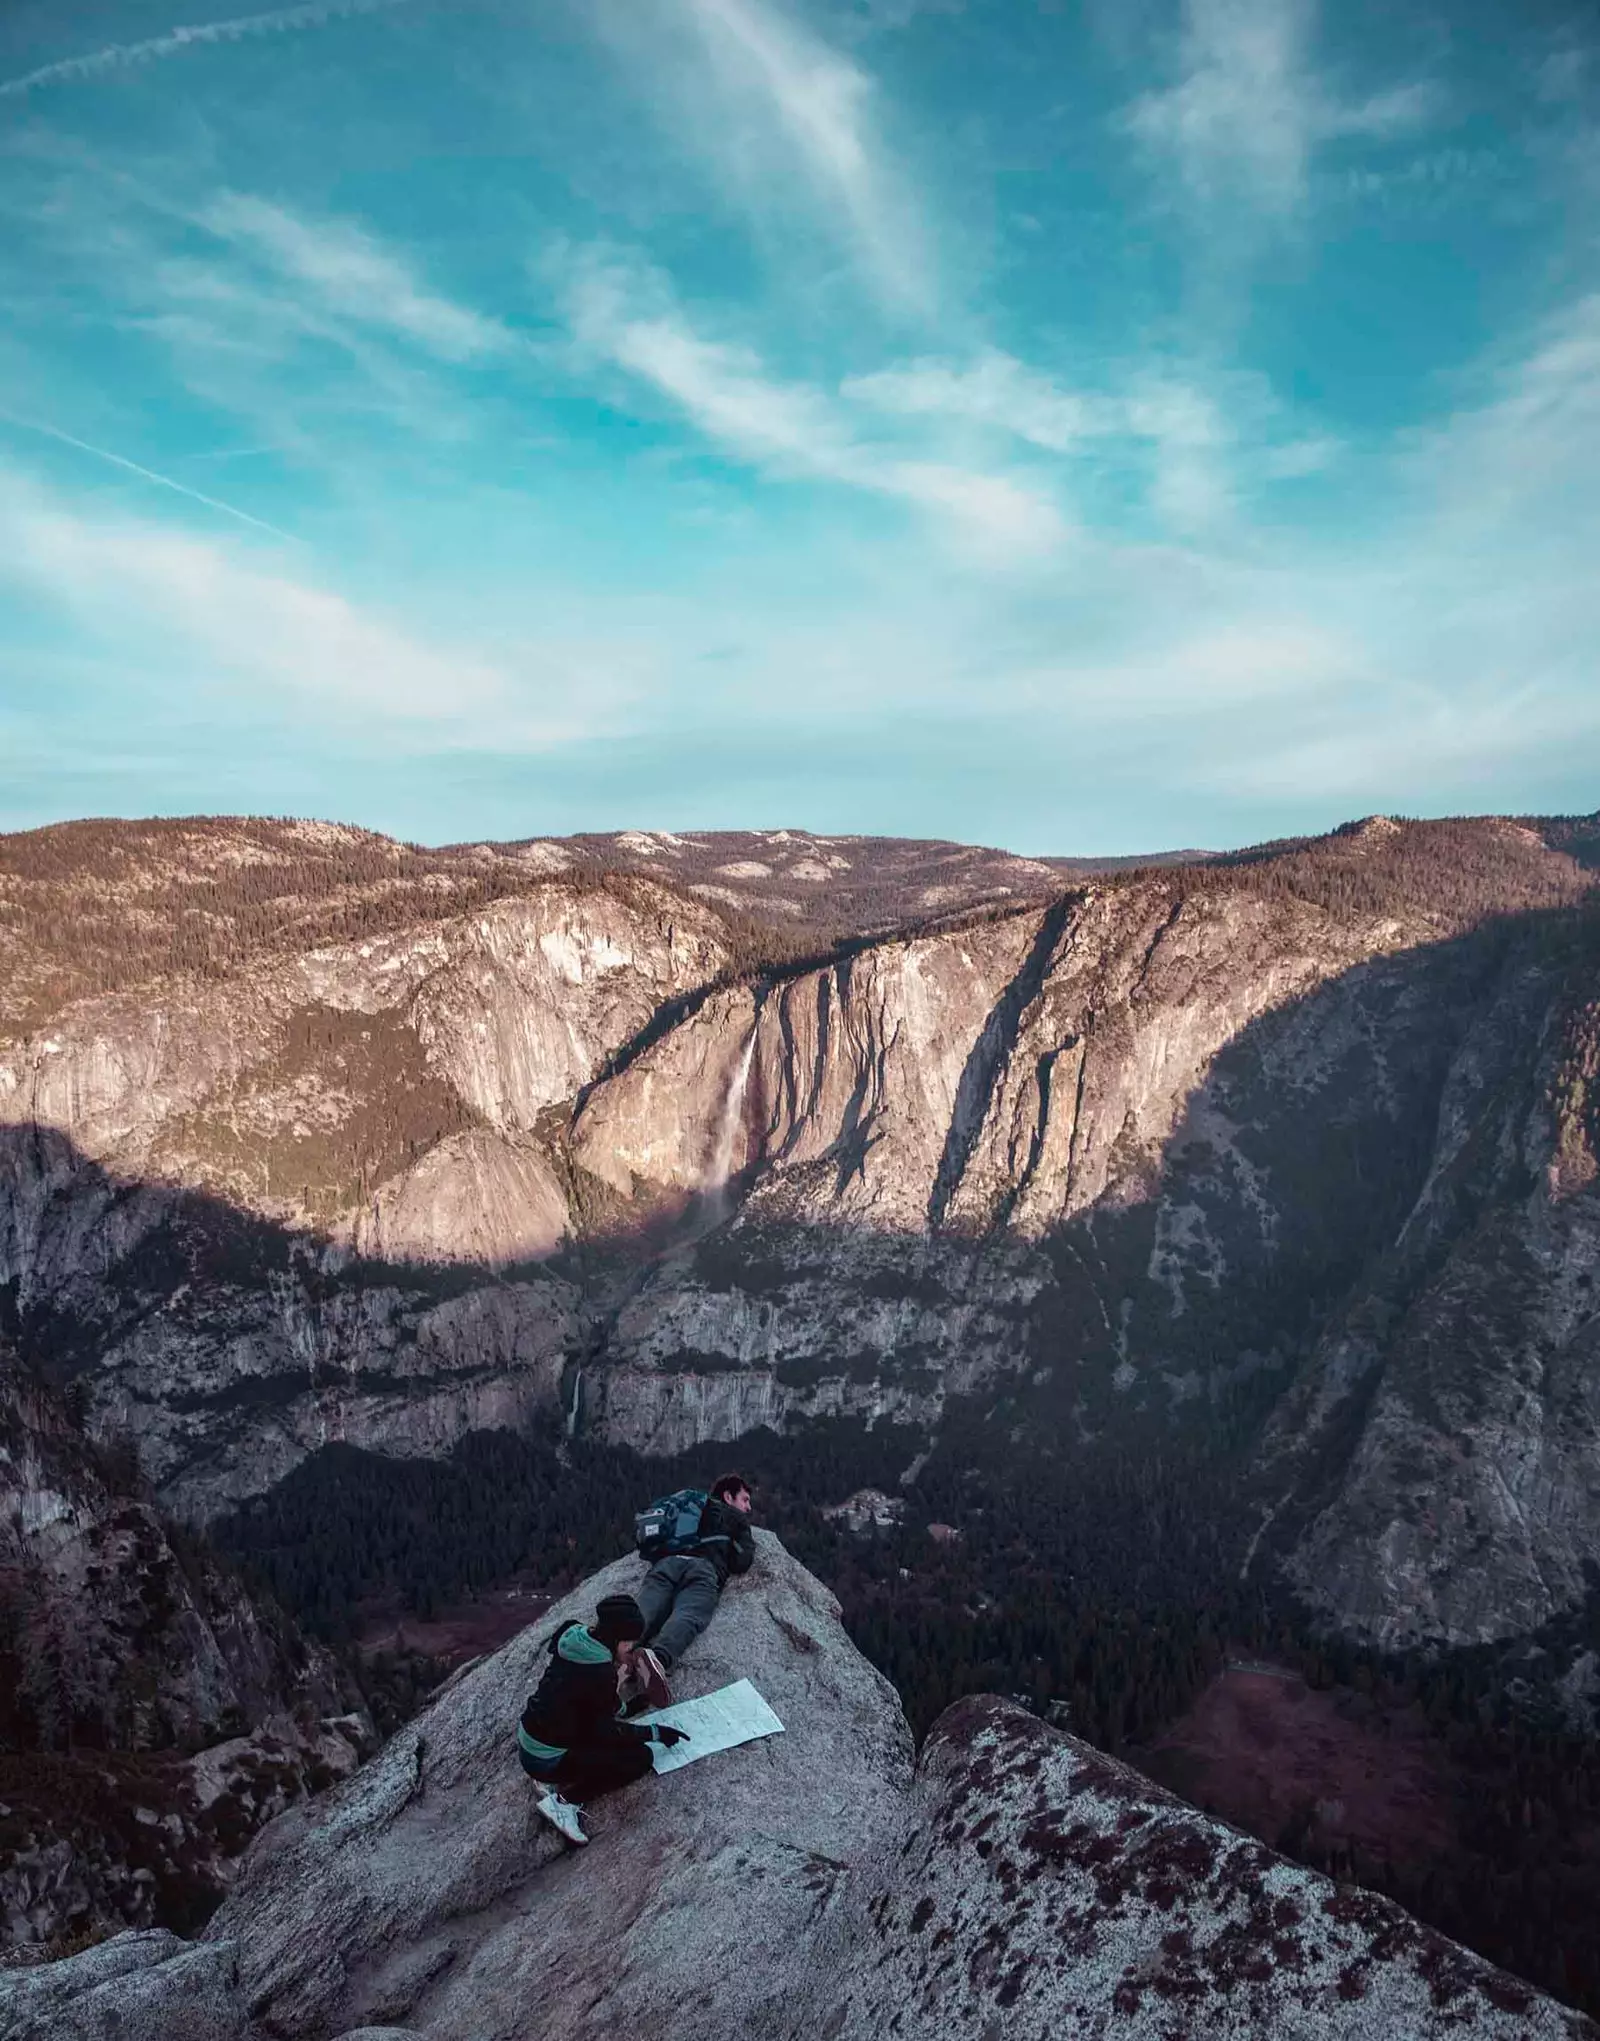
[(541, 1753), (578, 1647)]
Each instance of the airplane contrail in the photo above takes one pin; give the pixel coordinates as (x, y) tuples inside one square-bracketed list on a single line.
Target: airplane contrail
[(120, 56), (101, 453)]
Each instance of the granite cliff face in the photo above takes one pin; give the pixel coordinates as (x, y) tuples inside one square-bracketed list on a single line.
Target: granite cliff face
[(1141, 1157), (232, 1209), (1468, 1370), (816, 1883), (152, 1715), (965, 1126), (1292, 1156)]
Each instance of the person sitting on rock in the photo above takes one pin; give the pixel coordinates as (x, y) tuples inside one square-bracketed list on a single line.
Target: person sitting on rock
[(572, 1739), (679, 1594)]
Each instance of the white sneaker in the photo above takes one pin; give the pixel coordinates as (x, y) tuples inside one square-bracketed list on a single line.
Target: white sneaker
[(562, 1816)]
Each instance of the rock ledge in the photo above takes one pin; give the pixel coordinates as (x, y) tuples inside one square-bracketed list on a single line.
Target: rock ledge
[(813, 1887)]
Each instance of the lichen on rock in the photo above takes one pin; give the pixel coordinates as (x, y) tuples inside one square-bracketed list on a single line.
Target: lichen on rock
[(814, 1884)]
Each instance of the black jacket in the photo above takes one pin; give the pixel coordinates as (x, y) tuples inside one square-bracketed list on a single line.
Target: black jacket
[(725, 1539), (576, 1701)]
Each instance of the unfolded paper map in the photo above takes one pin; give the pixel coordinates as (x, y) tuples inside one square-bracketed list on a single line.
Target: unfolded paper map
[(719, 1721)]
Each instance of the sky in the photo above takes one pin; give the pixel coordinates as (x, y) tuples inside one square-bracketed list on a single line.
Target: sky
[(1083, 426)]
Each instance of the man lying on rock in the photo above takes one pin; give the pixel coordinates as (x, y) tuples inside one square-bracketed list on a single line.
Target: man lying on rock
[(694, 1541), (572, 1738)]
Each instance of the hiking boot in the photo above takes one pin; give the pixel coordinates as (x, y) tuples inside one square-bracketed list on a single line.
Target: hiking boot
[(652, 1677), (562, 1815)]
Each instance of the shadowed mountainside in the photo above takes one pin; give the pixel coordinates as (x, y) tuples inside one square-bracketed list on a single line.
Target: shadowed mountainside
[(153, 1713), (1237, 1156), (1283, 1168)]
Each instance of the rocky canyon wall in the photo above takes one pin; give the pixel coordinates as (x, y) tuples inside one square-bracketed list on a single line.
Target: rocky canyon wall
[(1293, 1158)]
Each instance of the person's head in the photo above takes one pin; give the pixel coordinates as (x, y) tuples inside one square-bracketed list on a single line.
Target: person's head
[(618, 1624), (732, 1489)]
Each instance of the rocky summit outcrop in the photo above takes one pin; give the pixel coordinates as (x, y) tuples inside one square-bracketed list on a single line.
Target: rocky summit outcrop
[(152, 1714), (145, 1983), (818, 1883), (427, 1894)]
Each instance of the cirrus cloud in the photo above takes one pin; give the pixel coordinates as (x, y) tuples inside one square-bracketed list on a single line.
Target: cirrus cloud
[(624, 314)]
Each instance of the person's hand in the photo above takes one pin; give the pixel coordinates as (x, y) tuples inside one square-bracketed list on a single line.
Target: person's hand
[(665, 1733)]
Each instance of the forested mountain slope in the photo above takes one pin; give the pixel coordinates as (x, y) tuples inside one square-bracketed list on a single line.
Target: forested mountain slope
[(1183, 1242), (1288, 1154)]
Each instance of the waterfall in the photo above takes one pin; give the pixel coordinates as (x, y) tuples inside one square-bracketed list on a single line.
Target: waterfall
[(728, 1127)]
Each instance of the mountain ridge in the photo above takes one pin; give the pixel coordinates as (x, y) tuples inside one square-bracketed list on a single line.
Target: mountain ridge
[(1198, 1175), (1046, 1115)]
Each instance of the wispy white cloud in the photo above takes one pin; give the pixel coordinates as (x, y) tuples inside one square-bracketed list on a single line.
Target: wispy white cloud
[(350, 275), (127, 56), (1481, 605), (626, 316), (1566, 68), (1195, 451), (291, 320), (1191, 486), (1526, 457), (995, 390), (285, 364), (1258, 661), (1372, 749), (894, 14), (1250, 108), (783, 116), (1422, 183), (1295, 459), (237, 453), (266, 628)]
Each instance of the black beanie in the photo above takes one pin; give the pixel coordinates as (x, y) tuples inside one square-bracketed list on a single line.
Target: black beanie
[(619, 1620)]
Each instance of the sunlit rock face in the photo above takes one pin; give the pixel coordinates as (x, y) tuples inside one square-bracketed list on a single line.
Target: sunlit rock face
[(917, 1132), (1298, 1168), (474, 1198), (304, 1204), (295, 1086), (816, 1883)]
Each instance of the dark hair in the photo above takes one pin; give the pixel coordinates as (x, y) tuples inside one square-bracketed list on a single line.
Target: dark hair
[(618, 1620), (726, 1485)]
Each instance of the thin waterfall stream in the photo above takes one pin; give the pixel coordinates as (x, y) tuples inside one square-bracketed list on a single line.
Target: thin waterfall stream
[(720, 1168)]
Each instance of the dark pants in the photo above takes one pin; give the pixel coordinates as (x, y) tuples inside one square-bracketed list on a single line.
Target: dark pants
[(590, 1769), (678, 1598)]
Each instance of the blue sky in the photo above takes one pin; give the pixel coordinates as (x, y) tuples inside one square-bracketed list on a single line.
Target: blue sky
[(1083, 427)]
